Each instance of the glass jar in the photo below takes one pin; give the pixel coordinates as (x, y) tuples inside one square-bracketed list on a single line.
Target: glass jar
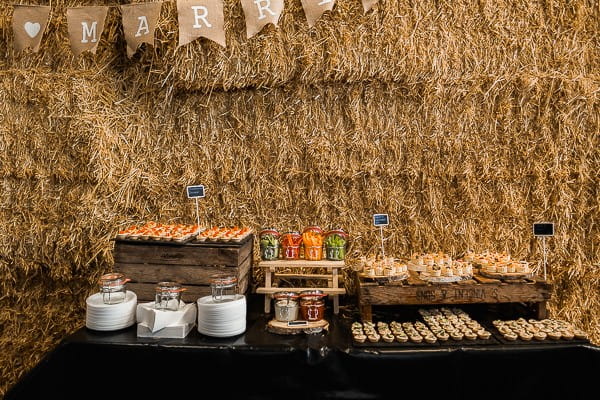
[(312, 305), (269, 244), (312, 238), (223, 287), (113, 288), (286, 306), (168, 296), (335, 245), (290, 245)]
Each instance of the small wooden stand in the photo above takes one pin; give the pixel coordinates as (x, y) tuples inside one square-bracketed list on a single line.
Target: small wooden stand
[(477, 290), (278, 269), (282, 328)]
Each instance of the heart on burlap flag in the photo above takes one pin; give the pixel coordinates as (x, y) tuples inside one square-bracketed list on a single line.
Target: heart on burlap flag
[(85, 26), (259, 13), (139, 24), (200, 18), (368, 4), (29, 24), (315, 8)]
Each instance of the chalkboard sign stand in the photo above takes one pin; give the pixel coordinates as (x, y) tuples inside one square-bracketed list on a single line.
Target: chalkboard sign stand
[(381, 220), (196, 192), (544, 230)]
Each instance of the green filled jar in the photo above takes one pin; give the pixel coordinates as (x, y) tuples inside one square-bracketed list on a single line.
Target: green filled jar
[(336, 242), (269, 244)]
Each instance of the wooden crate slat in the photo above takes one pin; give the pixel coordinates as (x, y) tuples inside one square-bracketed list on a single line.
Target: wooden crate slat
[(194, 274), (302, 276), (183, 254), (263, 290)]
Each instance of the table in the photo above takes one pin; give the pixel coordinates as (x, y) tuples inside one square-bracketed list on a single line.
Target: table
[(260, 365)]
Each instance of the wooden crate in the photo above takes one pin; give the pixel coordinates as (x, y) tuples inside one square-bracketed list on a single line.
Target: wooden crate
[(191, 264), (415, 291)]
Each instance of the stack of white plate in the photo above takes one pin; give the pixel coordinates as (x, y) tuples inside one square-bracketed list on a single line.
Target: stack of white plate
[(110, 317), (222, 319)]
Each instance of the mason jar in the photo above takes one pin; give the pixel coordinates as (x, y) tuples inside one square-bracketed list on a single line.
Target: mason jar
[(290, 245), (223, 287), (168, 296), (269, 244), (312, 239), (113, 288), (286, 306), (335, 245), (312, 305)]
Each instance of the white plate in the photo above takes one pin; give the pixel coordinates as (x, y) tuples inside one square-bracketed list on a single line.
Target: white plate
[(115, 327), (219, 334), (94, 302)]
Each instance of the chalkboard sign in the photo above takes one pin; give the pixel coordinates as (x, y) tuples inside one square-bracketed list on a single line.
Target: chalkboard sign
[(381, 220), (543, 229), (298, 323), (194, 192)]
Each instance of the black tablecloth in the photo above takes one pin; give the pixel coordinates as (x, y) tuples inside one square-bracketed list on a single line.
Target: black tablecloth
[(258, 365)]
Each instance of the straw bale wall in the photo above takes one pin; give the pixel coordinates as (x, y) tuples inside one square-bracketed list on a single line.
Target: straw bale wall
[(465, 121)]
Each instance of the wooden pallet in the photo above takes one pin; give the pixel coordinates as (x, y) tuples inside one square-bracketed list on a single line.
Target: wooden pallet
[(415, 291), (280, 269), (147, 263)]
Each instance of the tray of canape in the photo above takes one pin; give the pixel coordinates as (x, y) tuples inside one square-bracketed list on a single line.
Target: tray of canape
[(223, 235), (521, 331), (432, 278), (505, 275), (154, 232)]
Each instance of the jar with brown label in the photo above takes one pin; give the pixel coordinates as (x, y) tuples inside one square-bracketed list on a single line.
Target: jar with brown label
[(312, 305)]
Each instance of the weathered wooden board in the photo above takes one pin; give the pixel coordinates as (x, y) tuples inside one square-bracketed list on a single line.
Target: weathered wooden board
[(455, 294), (181, 254), (192, 274), (146, 291), (281, 328)]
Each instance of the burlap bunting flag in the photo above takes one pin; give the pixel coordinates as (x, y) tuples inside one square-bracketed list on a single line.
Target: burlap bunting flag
[(315, 8), (85, 25), (139, 24), (368, 4), (29, 24), (260, 13), (200, 18)]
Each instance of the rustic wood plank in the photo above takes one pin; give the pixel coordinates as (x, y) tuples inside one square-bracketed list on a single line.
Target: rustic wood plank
[(181, 254), (301, 263), (264, 290), (413, 279), (366, 312), (466, 282), (483, 279), (454, 294), (302, 276), (185, 274), (146, 291)]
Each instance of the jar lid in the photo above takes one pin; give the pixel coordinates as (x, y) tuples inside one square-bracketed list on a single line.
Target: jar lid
[(169, 287), (313, 228), (223, 279), (338, 231), (270, 231), (285, 295), (292, 233), (316, 293), (113, 279)]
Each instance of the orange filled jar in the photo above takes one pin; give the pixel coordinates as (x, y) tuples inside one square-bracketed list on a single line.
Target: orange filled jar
[(312, 238), (290, 245)]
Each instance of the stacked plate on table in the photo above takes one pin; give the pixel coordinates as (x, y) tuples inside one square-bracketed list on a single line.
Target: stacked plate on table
[(110, 317), (223, 318)]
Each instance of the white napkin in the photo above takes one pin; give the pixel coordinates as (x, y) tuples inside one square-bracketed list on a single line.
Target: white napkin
[(156, 320)]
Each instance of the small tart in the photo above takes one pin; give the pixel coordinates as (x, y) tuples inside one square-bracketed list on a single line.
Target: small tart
[(374, 338), (388, 338), (360, 338), (569, 335), (443, 336), (456, 335), (511, 336), (357, 325), (579, 334), (540, 335), (402, 338), (416, 338), (554, 335), (525, 335), (483, 334), (430, 339), (470, 335)]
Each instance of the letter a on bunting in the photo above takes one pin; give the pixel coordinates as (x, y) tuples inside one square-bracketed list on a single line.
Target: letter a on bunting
[(29, 24), (260, 13), (139, 24), (85, 25), (315, 8), (200, 18)]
